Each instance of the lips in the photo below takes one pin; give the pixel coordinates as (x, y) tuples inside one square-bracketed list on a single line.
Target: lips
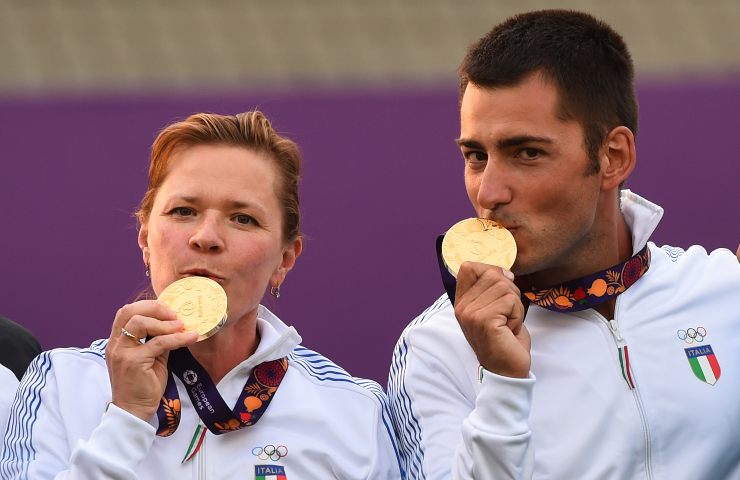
[(507, 226), (202, 272)]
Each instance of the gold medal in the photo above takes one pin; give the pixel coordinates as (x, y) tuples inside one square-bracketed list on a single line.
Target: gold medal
[(199, 302), (478, 240)]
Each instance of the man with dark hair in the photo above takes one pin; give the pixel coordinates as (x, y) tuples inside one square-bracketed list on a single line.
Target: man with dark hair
[(616, 371)]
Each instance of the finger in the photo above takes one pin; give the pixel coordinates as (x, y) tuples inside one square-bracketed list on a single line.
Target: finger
[(738, 253), (143, 327), (147, 308), (485, 283), (497, 309), (485, 299), (508, 274), (516, 319), (470, 274), (166, 343)]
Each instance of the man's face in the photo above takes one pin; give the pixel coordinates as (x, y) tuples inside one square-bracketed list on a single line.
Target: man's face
[(526, 168)]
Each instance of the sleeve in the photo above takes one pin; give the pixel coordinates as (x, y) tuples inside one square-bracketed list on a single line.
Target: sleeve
[(38, 445), (496, 440), (386, 463), (446, 427)]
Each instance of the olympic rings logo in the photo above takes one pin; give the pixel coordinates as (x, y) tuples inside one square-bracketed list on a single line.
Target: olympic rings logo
[(270, 452), (692, 335)]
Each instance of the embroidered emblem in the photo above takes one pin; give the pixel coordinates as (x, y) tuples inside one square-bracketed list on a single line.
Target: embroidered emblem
[(270, 452), (269, 472), (692, 335), (592, 290), (704, 363)]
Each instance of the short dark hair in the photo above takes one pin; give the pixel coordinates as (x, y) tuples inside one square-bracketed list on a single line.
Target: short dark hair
[(587, 61)]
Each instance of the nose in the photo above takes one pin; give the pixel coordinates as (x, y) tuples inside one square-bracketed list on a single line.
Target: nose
[(495, 186), (207, 236)]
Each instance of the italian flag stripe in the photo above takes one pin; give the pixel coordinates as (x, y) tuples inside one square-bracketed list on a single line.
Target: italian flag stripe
[(696, 367), (706, 368), (715, 366), (195, 443), (624, 362), (627, 367)]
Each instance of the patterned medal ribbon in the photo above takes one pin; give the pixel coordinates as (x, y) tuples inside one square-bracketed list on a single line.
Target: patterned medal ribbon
[(212, 409), (579, 294), (592, 290)]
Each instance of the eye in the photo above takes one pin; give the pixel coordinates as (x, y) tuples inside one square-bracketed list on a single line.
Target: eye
[(244, 219), (475, 156), (529, 153), (181, 212)]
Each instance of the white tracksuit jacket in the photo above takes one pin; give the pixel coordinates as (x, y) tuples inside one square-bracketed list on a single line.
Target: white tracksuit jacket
[(330, 424), (8, 385), (575, 417)]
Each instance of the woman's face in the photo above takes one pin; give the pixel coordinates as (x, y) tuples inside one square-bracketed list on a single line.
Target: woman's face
[(217, 215)]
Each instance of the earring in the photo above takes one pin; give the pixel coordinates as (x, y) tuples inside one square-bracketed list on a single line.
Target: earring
[(275, 291), (147, 272)]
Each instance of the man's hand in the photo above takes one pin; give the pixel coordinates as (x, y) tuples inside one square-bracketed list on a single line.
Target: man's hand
[(738, 253), (489, 308)]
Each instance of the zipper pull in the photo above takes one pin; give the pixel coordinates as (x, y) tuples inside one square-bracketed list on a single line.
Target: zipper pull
[(614, 326), (623, 351), (624, 362)]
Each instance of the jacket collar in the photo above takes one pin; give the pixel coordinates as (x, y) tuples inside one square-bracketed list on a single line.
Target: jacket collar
[(642, 217)]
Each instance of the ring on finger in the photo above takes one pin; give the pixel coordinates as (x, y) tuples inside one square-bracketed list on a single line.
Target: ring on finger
[(130, 335)]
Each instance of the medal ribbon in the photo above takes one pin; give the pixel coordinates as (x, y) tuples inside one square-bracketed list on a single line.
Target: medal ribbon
[(448, 280), (575, 295), (254, 399), (592, 290)]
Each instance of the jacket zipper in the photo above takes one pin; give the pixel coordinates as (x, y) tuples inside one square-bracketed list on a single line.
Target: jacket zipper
[(624, 361), (202, 459)]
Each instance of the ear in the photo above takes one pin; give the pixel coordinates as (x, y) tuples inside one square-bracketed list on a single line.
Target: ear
[(618, 157), (144, 243), (290, 253)]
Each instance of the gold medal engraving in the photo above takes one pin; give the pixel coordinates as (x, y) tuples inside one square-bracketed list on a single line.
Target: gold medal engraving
[(478, 240), (199, 302)]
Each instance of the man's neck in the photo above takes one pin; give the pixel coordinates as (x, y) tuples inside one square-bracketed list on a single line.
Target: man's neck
[(233, 344), (608, 246), (624, 249)]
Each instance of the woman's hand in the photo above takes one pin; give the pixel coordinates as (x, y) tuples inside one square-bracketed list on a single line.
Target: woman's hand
[(138, 371)]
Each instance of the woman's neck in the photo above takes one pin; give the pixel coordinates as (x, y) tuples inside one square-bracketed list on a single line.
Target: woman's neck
[(233, 344)]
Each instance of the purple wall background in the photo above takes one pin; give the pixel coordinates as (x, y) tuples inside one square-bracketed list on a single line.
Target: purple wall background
[(382, 178)]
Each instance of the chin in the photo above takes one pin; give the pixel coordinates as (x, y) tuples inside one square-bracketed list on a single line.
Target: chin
[(523, 267)]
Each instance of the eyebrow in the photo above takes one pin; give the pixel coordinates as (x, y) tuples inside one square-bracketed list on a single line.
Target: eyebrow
[(504, 143), (232, 205)]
